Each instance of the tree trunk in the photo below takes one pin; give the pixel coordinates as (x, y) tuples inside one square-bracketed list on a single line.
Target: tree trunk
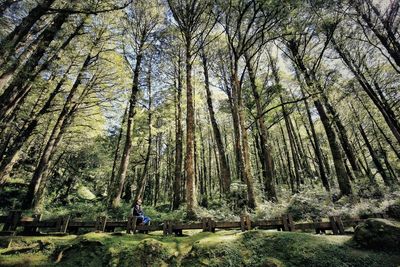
[(142, 182), (13, 93), (115, 198), (265, 155), (386, 179), (178, 141), (190, 135), (344, 139), (224, 168), (11, 157), (38, 181), (338, 159), (241, 136), (10, 42), (386, 111)]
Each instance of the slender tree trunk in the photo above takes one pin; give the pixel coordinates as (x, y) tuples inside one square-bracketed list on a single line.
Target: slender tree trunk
[(289, 161), (386, 179), (295, 158), (38, 181), (224, 167), (265, 155), (10, 42), (142, 182), (11, 157), (13, 93), (123, 168), (116, 153), (178, 141), (317, 146), (386, 111)]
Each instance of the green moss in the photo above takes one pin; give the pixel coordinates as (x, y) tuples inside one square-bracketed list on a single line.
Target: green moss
[(224, 248)]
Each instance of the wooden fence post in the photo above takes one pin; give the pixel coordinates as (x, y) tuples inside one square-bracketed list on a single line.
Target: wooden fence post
[(337, 225), (31, 230), (62, 223), (213, 225), (285, 222), (204, 223), (101, 222), (288, 224), (332, 221), (170, 227), (317, 226), (245, 222), (13, 218), (165, 227)]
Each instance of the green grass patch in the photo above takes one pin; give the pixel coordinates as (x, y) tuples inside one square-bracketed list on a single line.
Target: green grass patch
[(224, 248)]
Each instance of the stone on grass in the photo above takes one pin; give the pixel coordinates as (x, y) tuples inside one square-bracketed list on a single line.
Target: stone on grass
[(378, 234)]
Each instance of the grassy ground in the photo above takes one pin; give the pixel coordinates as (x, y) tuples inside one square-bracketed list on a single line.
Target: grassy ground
[(224, 248)]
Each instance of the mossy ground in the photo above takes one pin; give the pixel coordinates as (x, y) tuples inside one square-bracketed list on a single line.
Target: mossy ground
[(224, 248)]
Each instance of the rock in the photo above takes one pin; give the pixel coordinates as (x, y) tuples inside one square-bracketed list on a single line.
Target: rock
[(394, 210), (378, 234), (84, 193)]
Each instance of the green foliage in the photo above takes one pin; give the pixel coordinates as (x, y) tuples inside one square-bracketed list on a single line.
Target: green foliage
[(308, 206)]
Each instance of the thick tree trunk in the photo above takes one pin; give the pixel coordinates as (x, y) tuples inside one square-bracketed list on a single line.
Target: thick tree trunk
[(312, 82), (241, 136), (337, 155), (224, 167), (344, 139), (190, 136)]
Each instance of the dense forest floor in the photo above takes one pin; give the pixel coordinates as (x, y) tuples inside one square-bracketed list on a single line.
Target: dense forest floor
[(224, 248)]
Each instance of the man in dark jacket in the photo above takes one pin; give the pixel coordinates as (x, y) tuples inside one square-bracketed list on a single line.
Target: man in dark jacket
[(137, 211)]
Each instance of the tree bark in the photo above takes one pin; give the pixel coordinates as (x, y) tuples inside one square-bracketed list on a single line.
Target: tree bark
[(10, 42), (11, 157), (386, 111), (116, 193), (265, 155), (16, 91), (190, 134), (178, 140), (37, 184), (223, 164), (143, 179)]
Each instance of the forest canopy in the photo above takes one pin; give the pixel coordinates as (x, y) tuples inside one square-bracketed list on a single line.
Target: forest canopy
[(239, 105)]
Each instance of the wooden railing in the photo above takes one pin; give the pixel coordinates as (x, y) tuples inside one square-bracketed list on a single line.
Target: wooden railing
[(16, 224)]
